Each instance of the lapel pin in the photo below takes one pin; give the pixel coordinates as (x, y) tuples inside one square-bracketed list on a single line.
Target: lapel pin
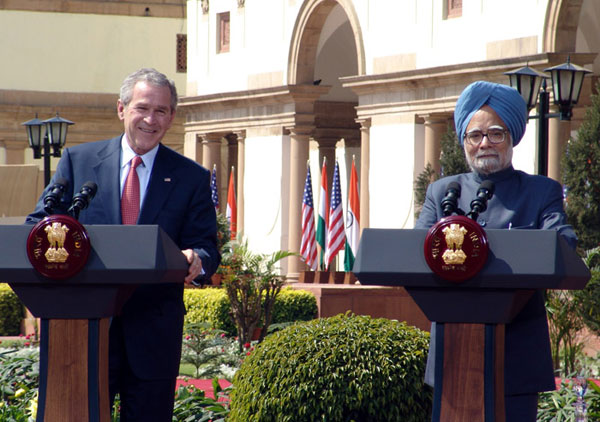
[(167, 179)]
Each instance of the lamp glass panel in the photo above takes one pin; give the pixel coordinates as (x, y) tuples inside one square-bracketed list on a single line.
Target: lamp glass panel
[(54, 133), (566, 86), (577, 84)]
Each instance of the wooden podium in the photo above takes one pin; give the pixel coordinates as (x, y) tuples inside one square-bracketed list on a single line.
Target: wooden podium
[(75, 312), (469, 341)]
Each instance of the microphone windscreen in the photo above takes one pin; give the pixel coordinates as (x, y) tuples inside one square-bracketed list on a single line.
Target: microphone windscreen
[(454, 186), (61, 181), (489, 186), (91, 187)]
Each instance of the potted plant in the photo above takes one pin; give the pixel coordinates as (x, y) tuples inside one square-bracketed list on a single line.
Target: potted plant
[(252, 283)]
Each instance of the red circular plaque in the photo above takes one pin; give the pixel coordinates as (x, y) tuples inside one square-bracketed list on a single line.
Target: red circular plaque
[(58, 246), (456, 248)]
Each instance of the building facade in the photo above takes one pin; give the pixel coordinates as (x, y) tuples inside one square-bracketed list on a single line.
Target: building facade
[(275, 84), (70, 57)]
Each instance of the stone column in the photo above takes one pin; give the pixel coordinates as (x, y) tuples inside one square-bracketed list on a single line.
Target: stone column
[(15, 150), (241, 142), (327, 151), (211, 156), (365, 126), (435, 126), (558, 135), (192, 147), (299, 138)]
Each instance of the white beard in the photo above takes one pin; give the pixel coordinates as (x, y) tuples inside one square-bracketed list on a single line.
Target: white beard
[(491, 165)]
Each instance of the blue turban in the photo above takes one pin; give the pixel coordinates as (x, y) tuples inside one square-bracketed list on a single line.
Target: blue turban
[(504, 100)]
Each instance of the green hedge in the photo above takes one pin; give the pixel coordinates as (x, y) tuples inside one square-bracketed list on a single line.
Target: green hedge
[(212, 305), (11, 312), (345, 368)]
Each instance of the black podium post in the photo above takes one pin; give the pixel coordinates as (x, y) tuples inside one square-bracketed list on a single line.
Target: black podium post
[(471, 314), (76, 311)]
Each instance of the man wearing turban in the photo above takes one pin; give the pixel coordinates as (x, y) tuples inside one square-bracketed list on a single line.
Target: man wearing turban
[(490, 120)]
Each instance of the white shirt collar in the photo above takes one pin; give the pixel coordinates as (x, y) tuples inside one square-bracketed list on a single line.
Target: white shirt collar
[(128, 154)]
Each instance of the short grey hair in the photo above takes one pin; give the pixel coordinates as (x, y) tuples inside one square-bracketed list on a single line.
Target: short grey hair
[(153, 77)]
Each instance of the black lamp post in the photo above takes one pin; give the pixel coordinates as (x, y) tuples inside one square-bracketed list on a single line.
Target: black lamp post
[(55, 136), (567, 80)]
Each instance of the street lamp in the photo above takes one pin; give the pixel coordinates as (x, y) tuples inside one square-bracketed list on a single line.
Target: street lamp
[(567, 80), (55, 136)]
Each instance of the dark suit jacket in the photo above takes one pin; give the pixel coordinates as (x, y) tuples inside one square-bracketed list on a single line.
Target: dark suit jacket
[(520, 201), (177, 199)]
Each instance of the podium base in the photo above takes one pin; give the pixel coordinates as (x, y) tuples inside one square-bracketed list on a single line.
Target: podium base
[(469, 373), (74, 371)]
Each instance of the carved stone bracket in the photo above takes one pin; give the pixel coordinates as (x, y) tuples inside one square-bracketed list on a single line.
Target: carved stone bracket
[(204, 6)]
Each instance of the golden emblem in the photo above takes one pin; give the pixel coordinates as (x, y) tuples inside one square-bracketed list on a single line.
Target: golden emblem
[(56, 237), (455, 236)]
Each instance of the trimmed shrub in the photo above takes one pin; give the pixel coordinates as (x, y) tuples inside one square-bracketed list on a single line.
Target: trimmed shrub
[(294, 305), (11, 312), (344, 368), (211, 305)]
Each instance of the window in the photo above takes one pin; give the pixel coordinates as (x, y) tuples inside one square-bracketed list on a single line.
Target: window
[(453, 8), (181, 53), (223, 34)]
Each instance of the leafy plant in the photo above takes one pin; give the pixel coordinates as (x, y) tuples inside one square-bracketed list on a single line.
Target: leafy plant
[(191, 405), (19, 377), (252, 284), (342, 368), (560, 405), (208, 350), (564, 322)]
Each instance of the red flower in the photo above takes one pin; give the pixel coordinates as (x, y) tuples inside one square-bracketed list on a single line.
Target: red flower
[(27, 344), (247, 353), (247, 345)]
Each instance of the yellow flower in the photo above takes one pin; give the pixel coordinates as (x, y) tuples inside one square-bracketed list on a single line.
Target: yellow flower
[(33, 405), (20, 392)]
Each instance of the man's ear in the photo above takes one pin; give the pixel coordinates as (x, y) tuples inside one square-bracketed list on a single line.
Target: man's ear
[(120, 109)]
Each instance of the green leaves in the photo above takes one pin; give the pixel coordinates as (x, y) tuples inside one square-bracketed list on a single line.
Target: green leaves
[(335, 369)]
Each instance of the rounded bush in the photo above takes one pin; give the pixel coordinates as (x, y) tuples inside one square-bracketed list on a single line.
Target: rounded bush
[(344, 368), (11, 312)]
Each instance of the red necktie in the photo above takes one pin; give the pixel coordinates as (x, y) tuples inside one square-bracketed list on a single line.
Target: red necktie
[(130, 200)]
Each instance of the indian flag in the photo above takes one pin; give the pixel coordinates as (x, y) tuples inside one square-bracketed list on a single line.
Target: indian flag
[(352, 221), (323, 215)]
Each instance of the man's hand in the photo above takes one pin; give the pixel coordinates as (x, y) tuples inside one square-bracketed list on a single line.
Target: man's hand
[(195, 265)]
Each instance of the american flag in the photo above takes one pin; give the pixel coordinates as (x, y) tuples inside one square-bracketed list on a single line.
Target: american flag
[(336, 237), (213, 188), (308, 245)]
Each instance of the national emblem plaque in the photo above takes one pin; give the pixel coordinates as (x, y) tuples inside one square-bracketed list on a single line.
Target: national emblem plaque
[(58, 246), (456, 248)]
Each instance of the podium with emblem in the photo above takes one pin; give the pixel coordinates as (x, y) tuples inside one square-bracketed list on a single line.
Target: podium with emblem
[(75, 279), (471, 283)]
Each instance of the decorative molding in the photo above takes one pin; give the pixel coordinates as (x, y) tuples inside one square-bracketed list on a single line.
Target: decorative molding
[(205, 7), (241, 3)]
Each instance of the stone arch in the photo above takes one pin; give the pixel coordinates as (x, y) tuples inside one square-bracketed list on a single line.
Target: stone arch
[(560, 29), (305, 38)]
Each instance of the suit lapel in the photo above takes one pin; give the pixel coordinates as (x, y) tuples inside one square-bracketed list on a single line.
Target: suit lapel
[(162, 180), (107, 174)]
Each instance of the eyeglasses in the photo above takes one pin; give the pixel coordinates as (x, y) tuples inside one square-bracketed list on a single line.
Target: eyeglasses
[(495, 136)]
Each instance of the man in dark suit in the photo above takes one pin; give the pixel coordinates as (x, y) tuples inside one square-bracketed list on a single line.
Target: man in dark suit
[(170, 191), (490, 119)]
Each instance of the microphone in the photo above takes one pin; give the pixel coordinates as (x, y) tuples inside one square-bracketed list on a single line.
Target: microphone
[(82, 199), (55, 194), (484, 193), (450, 201)]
